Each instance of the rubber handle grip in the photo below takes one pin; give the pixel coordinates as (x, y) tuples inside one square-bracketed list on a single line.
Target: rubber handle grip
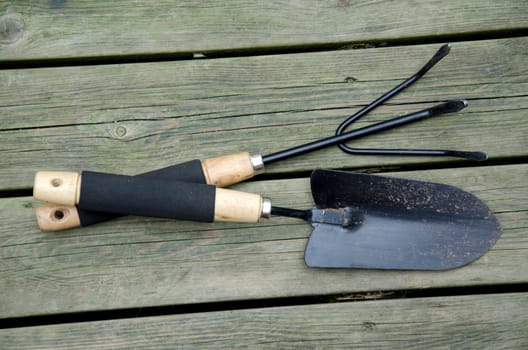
[(131, 195)]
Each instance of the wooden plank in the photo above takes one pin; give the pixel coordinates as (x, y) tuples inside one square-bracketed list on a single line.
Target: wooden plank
[(133, 118), (90, 29), (495, 321), (137, 262)]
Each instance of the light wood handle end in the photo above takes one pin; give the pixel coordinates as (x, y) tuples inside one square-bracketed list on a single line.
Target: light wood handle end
[(237, 206), (53, 217), (232, 168), (57, 186)]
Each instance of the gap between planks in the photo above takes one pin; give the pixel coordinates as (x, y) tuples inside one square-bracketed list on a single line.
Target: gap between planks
[(480, 322), (167, 310), (262, 51)]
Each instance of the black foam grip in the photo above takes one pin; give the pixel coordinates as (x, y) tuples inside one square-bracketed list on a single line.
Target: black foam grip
[(136, 195), (189, 172)]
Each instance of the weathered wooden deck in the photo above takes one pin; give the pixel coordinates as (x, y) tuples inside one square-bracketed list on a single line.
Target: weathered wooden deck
[(128, 87)]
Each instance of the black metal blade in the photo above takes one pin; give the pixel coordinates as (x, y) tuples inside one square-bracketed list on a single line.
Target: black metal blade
[(405, 224)]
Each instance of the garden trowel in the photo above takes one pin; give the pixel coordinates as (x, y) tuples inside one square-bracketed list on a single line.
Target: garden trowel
[(360, 220)]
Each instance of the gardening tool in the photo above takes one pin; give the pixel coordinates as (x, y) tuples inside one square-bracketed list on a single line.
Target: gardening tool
[(360, 220), (226, 170)]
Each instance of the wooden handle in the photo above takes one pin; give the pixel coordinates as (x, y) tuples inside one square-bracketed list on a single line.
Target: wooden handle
[(140, 196), (64, 187), (229, 206), (57, 186), (53, 217), (232, 168), (237, 206)]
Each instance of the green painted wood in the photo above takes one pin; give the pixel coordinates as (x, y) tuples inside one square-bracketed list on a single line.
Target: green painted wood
[(31, 30), (494, 321), (138, 262), (137, 117)]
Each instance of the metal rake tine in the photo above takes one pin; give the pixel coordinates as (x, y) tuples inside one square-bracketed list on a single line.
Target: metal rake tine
[(441, 53)]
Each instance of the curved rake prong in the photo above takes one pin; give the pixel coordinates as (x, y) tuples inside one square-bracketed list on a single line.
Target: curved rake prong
[(441, 53)]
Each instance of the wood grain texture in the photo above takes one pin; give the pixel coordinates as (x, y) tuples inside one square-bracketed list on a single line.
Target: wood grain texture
[(59, 187), (494, 321), (138, 262), (53, 217), (236, 206), (199, 101), (226, 170), (88, 29), (137, 117)]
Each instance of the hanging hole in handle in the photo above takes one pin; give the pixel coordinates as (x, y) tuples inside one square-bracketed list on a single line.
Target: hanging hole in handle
[(58, 214), (56, 182)]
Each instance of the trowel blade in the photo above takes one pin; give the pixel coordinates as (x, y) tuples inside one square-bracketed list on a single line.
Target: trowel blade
[(405, 224)]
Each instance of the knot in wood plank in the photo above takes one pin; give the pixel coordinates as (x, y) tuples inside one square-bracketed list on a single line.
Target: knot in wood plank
[(12, 28)]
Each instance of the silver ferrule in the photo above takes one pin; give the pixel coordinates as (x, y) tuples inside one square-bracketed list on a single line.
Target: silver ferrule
[(266, 208), (257, 163)]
